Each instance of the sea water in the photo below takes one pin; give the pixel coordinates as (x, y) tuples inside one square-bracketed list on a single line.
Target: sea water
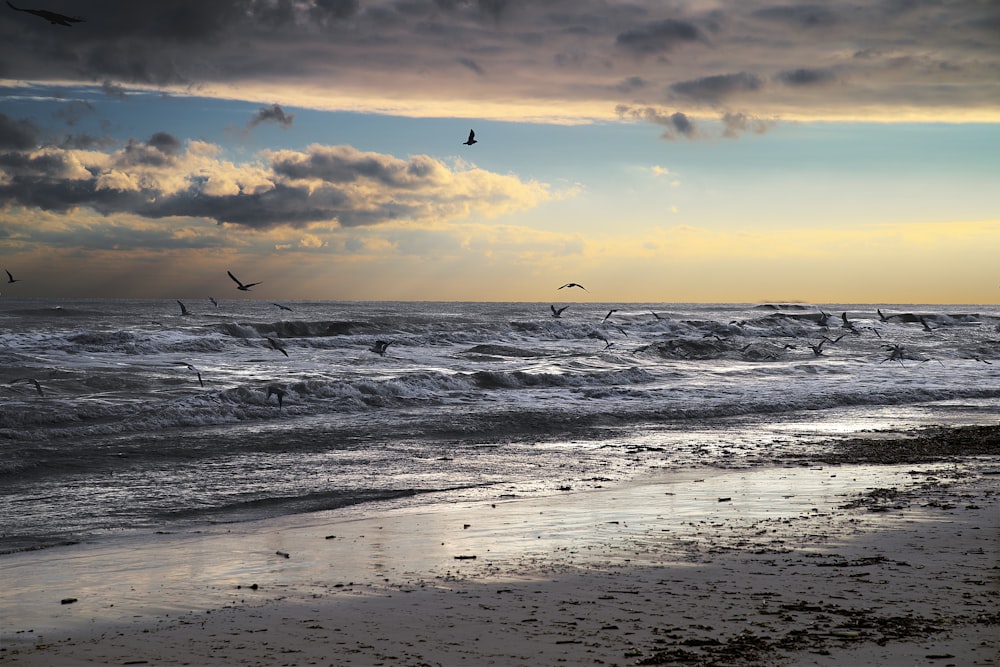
[(146, 419)]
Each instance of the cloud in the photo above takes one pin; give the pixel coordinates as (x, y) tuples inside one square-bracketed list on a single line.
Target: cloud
[(272, 114), (659, 37), (17, 134), (675, 124), (806, 77), (324, 186), (551, 61), (799, 16), (717, 88)]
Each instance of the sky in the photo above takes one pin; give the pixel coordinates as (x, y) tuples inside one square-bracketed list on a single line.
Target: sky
[(651, 150)]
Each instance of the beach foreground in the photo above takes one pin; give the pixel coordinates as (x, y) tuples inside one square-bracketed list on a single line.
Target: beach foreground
[(886, 553)]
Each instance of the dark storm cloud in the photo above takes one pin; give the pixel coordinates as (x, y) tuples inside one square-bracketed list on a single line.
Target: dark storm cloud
[(716, 88), (660, 37), (272, 114), (559, 60), (806, 77), (17, 134)]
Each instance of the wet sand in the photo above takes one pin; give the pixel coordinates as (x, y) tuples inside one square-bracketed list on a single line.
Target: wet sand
[(884, 553)]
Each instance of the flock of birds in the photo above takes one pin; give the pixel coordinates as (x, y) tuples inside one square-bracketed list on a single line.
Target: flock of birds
[(896, 352)]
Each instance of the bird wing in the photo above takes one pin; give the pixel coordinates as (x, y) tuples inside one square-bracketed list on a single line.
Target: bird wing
[(235, 279), (472, 135)]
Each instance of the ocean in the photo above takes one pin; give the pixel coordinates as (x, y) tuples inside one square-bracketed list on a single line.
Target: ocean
[(123, 416)]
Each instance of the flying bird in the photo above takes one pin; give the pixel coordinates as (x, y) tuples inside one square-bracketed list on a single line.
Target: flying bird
[(214, 302), (277, 346), (557, 312), (472, 138), (575, 285), (38, 387), (184, 310), (51, 17), (848, 324), (11, 279), (192, 369), (275, 390), (280, 306), (610, 313), (380, 346), (818, 347), (240, 286)]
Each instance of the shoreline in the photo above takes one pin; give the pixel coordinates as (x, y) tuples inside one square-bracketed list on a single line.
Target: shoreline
[(855, 561)]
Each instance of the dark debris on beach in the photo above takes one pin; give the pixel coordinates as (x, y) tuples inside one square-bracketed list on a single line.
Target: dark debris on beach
[(931, 445), (815, 628)]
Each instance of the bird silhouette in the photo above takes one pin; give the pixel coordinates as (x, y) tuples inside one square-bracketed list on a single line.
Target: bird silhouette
[(241, 286), (214, 302), (277, 346), (380, 346), (184, 310), (472, 138), (610, 313), (280, 306), (194, 370), (51, 17), (557, 312), (38, 387), (11, 279), (575, 285), (275, 390)]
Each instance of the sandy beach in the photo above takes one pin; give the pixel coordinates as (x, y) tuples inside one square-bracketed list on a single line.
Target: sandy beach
[(887, 553)]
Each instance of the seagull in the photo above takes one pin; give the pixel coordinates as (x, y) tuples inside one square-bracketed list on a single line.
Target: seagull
[(275, 390), (277, 346), (192, 369), (240, 286), (656, 315), (280, 306), (557, 312), (214, 302), (896, 353), (184, 310), (848, 324), (38, 387), (51, 17), (575, 285), (472, 138), (818, 347), (11, 279), (380, 346), (610, 312)]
